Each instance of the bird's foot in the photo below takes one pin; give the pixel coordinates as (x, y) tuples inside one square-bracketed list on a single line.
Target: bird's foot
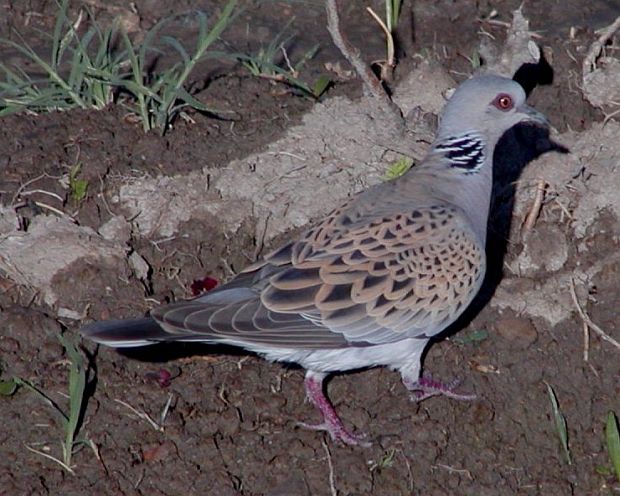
[(331, 421), (338, 432), (426, 387)]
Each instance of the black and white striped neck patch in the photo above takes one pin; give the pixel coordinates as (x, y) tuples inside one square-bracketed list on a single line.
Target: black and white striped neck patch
[(465, 151)]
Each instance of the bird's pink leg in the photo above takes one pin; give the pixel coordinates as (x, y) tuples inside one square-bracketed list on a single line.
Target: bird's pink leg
[(331, 422), (426, 387)]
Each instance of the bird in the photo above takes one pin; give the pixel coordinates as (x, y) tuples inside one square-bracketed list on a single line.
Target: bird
[(372, 282)]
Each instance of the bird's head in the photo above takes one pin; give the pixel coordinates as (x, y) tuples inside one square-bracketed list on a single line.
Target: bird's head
[(490, 106)]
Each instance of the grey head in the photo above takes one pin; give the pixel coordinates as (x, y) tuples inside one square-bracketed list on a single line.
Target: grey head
[(479, 112), (487, 105)]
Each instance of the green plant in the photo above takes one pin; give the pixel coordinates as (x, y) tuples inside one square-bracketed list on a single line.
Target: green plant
[(77, 403), (398, 168), (612, 437), (272, 62), (77, 187), (392, 14), (75, 78), (77, 72), (560, 423), (7, 386), (386, 461), (161, 97)]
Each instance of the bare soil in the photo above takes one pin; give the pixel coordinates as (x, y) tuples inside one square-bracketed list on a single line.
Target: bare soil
[(231, 426)]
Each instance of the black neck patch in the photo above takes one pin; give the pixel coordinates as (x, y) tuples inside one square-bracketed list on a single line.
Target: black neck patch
[(465, 151)]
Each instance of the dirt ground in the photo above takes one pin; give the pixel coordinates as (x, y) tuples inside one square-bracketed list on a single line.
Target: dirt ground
[(231, 425)]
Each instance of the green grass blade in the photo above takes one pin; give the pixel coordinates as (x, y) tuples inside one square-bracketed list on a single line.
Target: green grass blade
[(320, 85), (135, 84), (309, 55), (613, 442), (77, 386), (8, 387), (204, 43), (58, 40), (188, 99), (560, 423)]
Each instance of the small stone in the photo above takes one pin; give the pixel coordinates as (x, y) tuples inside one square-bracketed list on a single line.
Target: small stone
[(139, 266), (517, 330)]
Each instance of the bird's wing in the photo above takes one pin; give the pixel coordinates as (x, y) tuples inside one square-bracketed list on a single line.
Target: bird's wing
[(346, 282)]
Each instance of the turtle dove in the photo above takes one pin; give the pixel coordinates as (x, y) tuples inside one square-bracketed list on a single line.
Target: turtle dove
[(372, 282)]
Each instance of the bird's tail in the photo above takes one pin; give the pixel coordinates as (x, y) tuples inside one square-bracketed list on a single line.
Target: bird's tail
[(125, 333)]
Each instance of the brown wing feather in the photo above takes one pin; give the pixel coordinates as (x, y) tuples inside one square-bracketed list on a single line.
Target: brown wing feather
[(403, 273), (351, 279)]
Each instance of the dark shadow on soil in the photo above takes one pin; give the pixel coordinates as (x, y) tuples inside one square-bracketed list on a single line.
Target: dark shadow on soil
[(168, 351), (516, 148)]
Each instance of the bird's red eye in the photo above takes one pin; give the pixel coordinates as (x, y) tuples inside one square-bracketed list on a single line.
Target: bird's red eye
[(503, 102)]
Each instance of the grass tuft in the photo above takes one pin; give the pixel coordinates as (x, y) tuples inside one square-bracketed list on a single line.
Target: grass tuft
[(71, 72), (272, 62), (87, 71), (161, 97)]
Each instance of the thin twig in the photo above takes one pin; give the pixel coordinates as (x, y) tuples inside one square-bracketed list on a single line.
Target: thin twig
[(409, 472), (589, 63), (25, 185), (43, 192), (534, 212), (352, 54), (164, 412), (58, 212), (507, 25), (53, 458), (142, 415), (332, 485), (388, 35), (587, 320), (608, 117), (586, 341), (452, 470)]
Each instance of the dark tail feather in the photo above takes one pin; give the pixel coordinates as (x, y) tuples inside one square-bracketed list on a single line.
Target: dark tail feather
[(125, 333)]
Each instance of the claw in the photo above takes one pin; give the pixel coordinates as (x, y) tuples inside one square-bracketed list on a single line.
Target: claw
[(331, 421), (427, 387), (338, 432)]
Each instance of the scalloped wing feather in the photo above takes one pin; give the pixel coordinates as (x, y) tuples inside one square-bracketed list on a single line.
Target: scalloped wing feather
[(348, 281)]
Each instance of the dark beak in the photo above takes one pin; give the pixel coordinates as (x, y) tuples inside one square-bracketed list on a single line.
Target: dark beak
[(533, 116)]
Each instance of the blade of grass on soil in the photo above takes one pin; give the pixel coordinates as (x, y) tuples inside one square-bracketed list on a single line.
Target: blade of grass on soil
[(560, 423), (72, 420), (613, 442)]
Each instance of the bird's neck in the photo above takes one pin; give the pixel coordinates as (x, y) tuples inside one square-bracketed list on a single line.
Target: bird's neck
[(464, 164), (465, 152)]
